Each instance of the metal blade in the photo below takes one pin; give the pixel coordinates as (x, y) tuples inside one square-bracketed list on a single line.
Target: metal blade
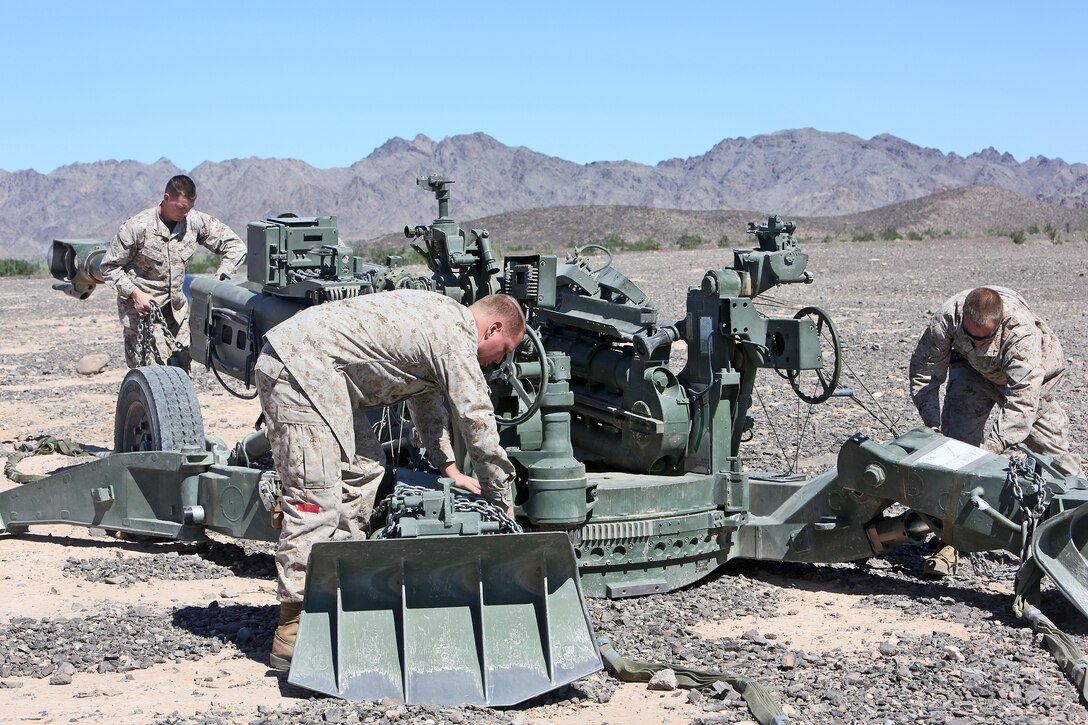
[(483, 620)]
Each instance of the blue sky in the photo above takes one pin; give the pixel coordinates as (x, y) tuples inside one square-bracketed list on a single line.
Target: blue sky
[(328, 82)]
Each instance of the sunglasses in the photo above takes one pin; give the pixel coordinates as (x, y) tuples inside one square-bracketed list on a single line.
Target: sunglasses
[(980, 338)]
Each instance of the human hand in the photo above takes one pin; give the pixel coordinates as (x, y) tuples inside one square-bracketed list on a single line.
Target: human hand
[(142, 300), (468, 483)]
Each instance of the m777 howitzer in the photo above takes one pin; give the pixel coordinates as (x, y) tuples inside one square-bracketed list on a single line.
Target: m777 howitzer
[(630, 479)]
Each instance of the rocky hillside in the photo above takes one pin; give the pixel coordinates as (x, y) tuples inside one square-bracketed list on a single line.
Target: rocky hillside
[(798, 173), (974, 211)]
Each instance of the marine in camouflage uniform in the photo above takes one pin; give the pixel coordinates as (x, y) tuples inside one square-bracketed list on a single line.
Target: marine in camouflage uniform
[(149, 255), (322, 368), (1019, 369), (1013, 360)]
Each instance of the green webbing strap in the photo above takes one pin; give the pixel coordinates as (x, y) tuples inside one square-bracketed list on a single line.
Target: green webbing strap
[(41, 445), (763, 707), (1066, 652)]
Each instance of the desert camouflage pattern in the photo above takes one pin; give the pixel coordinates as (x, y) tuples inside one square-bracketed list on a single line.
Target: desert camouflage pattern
[(146, 254), (1020, 370), (324, 497), (322, 368), (407, 345)]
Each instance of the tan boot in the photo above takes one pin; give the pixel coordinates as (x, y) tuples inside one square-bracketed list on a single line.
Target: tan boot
[(283, 644), (943, 563)]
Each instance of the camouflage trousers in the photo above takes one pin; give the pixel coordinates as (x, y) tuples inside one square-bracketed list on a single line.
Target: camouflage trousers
[(969, 398), (177, 322), (324, 497)]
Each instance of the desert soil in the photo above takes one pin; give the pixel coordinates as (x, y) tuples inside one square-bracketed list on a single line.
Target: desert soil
[(879, 295)]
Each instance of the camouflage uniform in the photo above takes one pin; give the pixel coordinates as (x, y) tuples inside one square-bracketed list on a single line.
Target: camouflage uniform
[(323, 367), (146, 254), (1020, 370)]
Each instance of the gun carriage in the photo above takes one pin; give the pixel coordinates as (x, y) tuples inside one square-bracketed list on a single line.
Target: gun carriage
[(630, 479)]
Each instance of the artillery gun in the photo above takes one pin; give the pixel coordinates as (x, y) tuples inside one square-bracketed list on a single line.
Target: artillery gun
[(630, 479)]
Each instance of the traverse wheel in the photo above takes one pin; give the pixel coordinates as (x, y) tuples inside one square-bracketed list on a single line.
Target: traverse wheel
[(157, 410), (507, 372), (816, 386)]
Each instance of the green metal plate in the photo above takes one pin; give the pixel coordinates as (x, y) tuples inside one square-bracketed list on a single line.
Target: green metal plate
[(485, 620), (1060, 547)]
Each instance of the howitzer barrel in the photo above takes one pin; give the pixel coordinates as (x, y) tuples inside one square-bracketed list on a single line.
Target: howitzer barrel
[(229, 319)]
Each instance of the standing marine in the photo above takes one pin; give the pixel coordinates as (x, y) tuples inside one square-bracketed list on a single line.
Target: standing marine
[(146, 264)]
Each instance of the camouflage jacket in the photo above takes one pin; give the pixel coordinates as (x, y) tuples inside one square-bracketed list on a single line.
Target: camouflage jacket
[(1023, 357), (407, 345), (145, 254)]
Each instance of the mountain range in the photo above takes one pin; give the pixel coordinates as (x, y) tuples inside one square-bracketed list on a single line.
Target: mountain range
[(827, 177)]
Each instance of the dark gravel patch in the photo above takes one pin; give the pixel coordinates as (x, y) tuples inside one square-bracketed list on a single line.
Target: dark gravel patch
[(130, 638), (206, 560)]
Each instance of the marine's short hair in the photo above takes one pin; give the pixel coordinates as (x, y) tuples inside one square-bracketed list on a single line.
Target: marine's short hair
[(983, 307), (181, 185), (504, 308)]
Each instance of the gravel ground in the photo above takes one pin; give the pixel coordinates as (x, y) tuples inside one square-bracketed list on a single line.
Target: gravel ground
[(976, 664)]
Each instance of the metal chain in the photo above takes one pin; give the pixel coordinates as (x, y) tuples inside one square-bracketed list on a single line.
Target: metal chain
[(1020, 468), (145, 336), (463, 501)]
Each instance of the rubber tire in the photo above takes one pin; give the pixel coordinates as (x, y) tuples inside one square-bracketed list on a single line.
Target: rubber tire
[(157, 410)]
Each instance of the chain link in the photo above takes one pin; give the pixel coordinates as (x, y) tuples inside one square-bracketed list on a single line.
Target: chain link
[(392, 509), (1033, 503), (145, 336)]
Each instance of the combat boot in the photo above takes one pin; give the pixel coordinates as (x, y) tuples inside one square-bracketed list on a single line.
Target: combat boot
[(943, 563), (283, 644)]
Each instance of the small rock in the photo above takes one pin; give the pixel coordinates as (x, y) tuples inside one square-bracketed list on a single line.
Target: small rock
[(228, 593), (753, 636), (695, 696), (888, 649), (11, 684), (664, 680), (953, 653), (92, 364), (789, 661), (60, 679)]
